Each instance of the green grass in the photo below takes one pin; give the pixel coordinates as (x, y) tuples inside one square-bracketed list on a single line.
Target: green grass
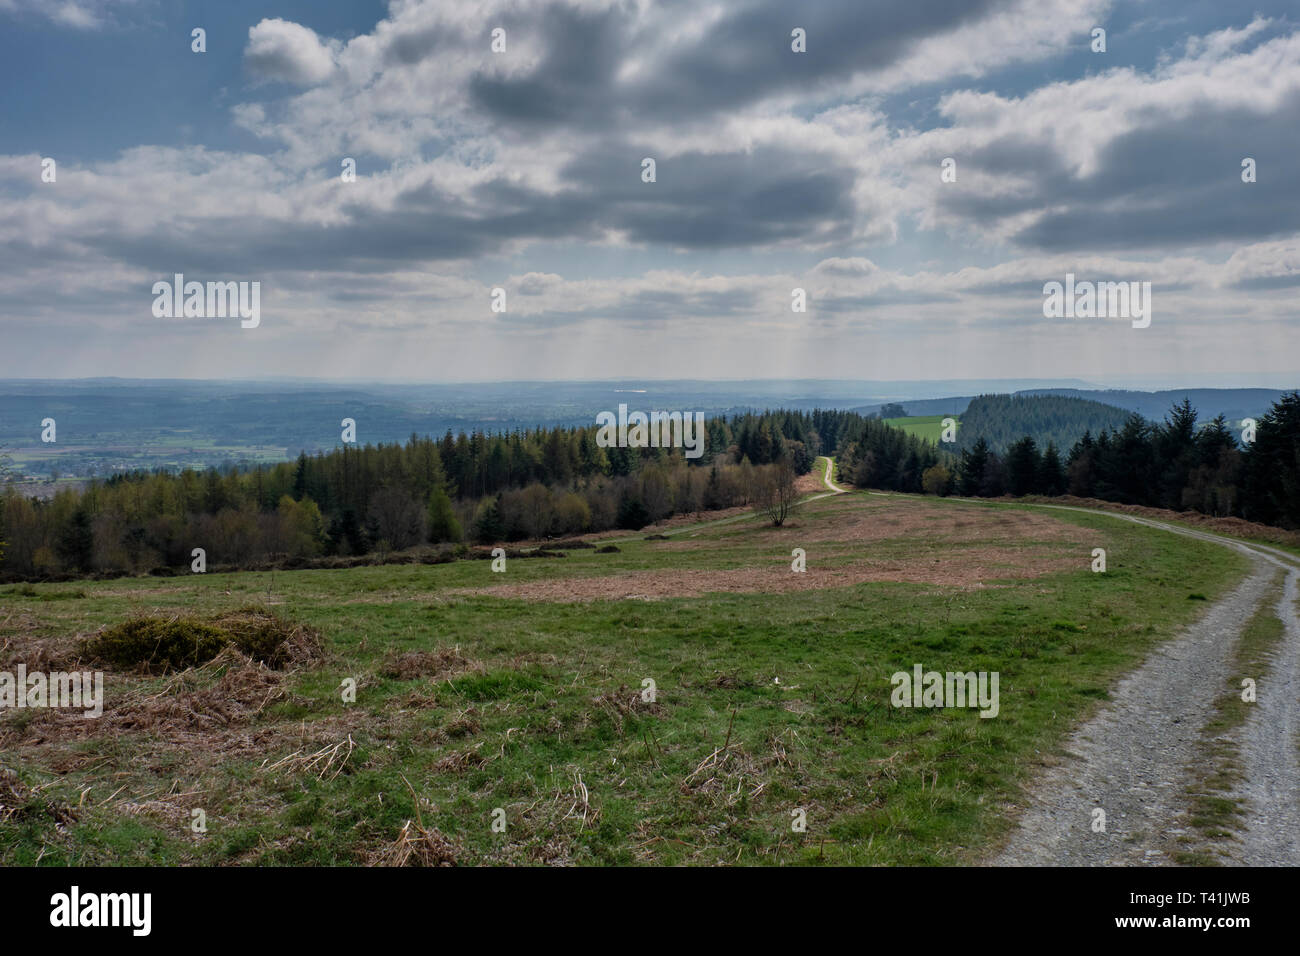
[(929, 427), (766, 703)]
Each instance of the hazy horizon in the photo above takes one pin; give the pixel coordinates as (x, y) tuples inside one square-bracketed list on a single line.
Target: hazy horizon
[(1282, 381)]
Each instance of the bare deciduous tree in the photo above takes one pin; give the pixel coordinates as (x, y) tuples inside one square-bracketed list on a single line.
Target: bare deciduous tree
[(775, 492)]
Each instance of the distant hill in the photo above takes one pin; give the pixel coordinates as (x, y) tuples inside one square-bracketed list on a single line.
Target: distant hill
[(1003, 419), (1233, 403), (106, 425), (922, 406)]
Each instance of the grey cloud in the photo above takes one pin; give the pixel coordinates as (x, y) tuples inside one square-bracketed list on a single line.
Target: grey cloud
[(744, 58), (854, 303), (1173, 182), (700, 201)]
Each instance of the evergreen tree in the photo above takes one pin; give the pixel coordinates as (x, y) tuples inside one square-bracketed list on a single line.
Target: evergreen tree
[(1022, 467), (1271, 466), (974, 462), (488, 527), (347, 535), (632, 514), (300, 476), (76, 546), (1051, 473)]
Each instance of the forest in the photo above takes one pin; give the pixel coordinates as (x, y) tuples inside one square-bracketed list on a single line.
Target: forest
[(1051, 419), (1178, 464), (378, 499), (545, 483)]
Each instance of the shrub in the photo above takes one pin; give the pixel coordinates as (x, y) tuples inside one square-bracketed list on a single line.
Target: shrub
[(156, 644), (936, 480)]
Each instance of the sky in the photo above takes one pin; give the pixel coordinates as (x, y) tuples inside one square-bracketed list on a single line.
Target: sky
[(521, 168)]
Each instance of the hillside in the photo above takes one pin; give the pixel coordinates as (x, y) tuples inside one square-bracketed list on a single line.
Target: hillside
[(1233, 404), (924, 407), (521, 695), (1003, 419)]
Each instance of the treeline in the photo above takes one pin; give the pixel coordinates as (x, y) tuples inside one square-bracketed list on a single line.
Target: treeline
[(483, 488), (1001, 420), (875, 455), (557, 482), (1175, 464)]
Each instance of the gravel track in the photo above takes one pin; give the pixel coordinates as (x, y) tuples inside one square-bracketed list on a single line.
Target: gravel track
[(1131, 759), (1268, 747)]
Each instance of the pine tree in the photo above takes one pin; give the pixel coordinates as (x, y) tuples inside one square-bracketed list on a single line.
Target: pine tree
[(1271, 466), (974, 462), (488, 527), (632, 514), (1022, 467), (346, 532), (76, 545), (1051, 473)]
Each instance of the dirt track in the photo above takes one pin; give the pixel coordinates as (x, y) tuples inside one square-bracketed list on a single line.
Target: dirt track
[(1132, 759)]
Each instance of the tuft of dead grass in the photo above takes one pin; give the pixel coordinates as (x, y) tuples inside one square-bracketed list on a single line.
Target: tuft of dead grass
[(440, 664), (459, 761), (36, 653), (622, 703), (416, 844), (228, 691), (326, 763), (22, 803)]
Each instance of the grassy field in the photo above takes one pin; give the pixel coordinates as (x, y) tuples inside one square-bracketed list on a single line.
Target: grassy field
[(929, 427), (522, 692)]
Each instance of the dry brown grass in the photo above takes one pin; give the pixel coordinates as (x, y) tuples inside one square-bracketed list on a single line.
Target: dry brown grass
[(416, 844), (963, 570), (980, 547), (440, 664), (323, 764), (20, 802), (459, 761), (229, 691)]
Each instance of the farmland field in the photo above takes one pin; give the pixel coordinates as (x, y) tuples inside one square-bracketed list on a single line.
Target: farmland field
[(517, 697), (929, 427)]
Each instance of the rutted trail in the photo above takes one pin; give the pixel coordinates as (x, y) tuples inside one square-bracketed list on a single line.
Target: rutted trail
[(1271, 836), (830, 465), (1131, 759), (826, 480)]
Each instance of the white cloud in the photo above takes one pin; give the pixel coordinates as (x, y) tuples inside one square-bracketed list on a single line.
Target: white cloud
[(75, 14), (281, 50), (410, 116)]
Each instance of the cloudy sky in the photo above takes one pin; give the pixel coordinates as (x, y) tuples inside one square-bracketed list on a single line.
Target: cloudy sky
[(775, 170)]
